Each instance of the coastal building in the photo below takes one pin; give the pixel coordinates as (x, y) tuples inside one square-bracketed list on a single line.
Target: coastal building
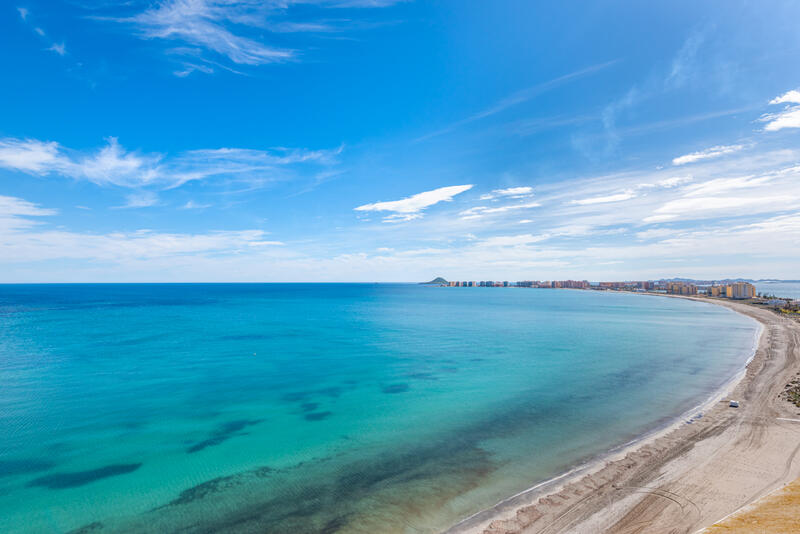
[(681, 288), (741, 290), (574, 284)]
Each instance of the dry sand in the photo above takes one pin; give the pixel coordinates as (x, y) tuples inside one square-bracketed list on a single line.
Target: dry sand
[(688, 476), (777, 513)]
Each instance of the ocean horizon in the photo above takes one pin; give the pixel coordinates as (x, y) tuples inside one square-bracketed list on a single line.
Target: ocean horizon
[(315, 408)]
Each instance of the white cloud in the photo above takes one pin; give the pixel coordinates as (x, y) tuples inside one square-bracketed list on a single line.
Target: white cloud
[(604, 199), (23, 13), (58, 48), (675, 181), (713, 152), (16, 213), (192, 205), (512, 240), (656, 233), (23, 240), (142, 199), (511, 192), (410, 208), (790, 97), (789, 117), (29, 155), (13, 206), (699, 207), (114, 165), (481, 211)]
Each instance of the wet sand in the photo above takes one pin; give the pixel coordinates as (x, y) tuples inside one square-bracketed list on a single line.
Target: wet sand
[(685, 477)]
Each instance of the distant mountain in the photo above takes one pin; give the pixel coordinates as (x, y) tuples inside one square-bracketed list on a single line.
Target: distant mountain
[(436, 281)]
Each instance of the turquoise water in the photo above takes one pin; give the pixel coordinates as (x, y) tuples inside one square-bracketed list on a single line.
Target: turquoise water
[(322, 408)]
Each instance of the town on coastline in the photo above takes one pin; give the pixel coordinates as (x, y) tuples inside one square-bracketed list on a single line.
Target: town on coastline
[(735, 290)]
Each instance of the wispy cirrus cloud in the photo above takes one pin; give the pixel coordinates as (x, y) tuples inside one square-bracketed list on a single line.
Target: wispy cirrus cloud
[(142, 199), (410, 208), (510, 192), (708, 153), (605, 199), (520, 97), (16, 213), (228, 33), (56, 47), (704, 207), (24, 236), (482, 211), (113, 165)]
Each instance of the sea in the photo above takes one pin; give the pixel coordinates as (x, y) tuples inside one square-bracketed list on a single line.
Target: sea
[(779, 289), (328, 408)]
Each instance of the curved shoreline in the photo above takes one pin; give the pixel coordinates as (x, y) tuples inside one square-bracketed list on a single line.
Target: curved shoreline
[(548, 505)]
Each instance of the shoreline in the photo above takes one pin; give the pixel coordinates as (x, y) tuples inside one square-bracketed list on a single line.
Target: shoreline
[(549, 506)]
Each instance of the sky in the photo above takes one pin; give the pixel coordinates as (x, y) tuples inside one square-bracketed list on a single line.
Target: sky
[(396, 141)]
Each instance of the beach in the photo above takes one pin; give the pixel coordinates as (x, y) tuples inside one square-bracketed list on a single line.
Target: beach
[(687, 476)]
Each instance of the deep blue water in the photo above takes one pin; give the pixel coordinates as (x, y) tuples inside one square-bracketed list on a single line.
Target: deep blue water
[(310, 408)]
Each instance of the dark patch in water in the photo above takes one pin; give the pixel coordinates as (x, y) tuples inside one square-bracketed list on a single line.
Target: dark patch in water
[(21, 467), (204, 489), (222, 433), (216, 485), (80, 478), (263, 472), (450, 369), (296, 396), (303, 502), (309, 406), (86, 529), (423, 376), (317, 416), (395, 388)]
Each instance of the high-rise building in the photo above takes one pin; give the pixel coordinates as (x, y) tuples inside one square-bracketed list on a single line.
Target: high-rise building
[(741, 290)]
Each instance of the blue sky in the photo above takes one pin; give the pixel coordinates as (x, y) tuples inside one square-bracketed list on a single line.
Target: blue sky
[(380, 140)]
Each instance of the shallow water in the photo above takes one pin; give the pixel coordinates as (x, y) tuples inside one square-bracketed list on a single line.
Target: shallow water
[(327, 407)]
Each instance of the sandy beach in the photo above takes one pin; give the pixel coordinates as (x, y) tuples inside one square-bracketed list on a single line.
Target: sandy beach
[(685, 477)]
